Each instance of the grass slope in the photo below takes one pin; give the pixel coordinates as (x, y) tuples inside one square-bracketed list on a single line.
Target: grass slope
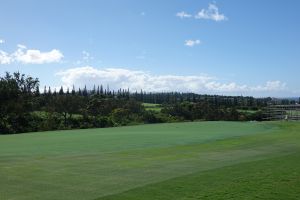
[(198, 160), (274, 178)]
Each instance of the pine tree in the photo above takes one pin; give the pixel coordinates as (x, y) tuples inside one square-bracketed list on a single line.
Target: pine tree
[(45, 90), (101, 90), (55, 92), (98, 90), (94, 90), (142, 96), (49, 91), (84, 92), (73, 90), (107, 91), (37, 91), (61, 91)]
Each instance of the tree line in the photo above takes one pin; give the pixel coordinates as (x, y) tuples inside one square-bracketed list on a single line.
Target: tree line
[(25, 109)]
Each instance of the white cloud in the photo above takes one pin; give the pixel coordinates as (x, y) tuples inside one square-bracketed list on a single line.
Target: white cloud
[(136, 80), (271, 86), (183, 15), (211, 13), (5, 58), (2, 41), (191, 43), (30, 56), (85, 58)]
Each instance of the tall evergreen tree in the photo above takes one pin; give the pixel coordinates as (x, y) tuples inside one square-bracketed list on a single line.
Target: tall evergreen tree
[(98, 91), (73, 90), (49, 91), (61, 91), (84, 92), (37, 91), (94, 90), (101, 89)]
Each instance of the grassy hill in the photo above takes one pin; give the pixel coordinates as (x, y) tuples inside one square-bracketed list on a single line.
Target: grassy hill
[(200, 160)]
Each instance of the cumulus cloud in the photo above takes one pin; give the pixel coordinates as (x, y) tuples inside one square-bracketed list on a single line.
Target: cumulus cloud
[(271, 86), (5, 58), (212, 13), (2, 41), (30, 56), (191, 43), (136, 80), (183, 15)]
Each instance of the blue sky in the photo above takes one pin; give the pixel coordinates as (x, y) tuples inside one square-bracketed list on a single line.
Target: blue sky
[(219, 47)]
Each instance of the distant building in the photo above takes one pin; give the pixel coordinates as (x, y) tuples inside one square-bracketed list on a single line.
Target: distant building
[(282, 112)]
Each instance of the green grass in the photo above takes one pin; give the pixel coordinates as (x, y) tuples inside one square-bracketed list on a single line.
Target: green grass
[(294, 112), (200, 160), (152, 106), (248, 111), (267, 179), (44, 115)]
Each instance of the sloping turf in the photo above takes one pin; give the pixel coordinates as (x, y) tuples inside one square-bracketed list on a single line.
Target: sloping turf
[(201, 160), (275, 178)]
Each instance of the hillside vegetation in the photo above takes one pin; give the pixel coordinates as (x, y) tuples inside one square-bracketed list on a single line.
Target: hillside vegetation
[(25, 109)]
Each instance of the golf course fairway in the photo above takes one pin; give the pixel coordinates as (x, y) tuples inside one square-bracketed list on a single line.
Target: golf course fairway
[(192, 160)]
